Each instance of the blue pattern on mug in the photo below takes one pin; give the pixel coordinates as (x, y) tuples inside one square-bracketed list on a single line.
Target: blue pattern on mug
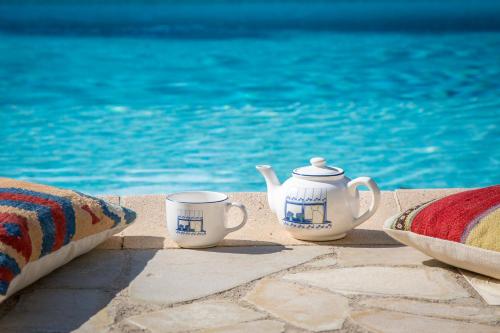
[(190, 222)]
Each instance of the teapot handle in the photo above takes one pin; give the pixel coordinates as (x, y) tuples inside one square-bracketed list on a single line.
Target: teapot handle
[(375, 192)]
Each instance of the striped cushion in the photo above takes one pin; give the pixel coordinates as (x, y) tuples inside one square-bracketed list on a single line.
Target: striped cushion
[(469, 219), (38, 220)]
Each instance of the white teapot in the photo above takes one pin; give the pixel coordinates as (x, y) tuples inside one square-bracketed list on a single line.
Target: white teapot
[(318, 202)]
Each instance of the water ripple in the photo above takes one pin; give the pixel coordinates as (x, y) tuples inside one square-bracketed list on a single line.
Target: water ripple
[(131, 115)]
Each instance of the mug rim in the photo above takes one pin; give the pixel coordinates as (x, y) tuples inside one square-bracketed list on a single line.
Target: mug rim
[(171, 198)]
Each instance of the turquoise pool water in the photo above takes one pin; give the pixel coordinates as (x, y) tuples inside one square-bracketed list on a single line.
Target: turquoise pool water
[(148, 113)]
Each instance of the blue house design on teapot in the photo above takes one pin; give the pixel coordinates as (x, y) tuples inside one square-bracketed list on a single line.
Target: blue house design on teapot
[(306, 207), (190, 222)]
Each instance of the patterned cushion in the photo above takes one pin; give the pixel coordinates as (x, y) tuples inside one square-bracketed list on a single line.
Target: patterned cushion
[(37, 221), (462, 229)]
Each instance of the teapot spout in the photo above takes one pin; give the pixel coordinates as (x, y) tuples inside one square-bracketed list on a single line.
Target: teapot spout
[(273, 184)]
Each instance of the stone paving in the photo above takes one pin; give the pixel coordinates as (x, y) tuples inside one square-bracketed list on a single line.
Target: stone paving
[(259, 280)]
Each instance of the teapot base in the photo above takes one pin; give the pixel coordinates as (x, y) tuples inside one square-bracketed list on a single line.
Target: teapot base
[(319, 238)]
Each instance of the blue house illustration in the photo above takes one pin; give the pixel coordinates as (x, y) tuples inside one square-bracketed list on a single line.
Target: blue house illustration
[(190, 222), (306, 206)]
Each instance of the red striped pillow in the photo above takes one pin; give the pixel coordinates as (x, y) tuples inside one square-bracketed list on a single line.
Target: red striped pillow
[(46, 226), (462, 229)]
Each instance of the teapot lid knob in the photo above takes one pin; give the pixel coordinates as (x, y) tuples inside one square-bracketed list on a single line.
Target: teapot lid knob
[(318, 162), (318, 168)]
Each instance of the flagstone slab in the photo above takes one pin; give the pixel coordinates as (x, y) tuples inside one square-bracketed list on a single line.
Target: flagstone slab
[(267, 326), (388, 256), (362, 236), (309, 308), (98, 269), (426, 283), (179, 275), (396, 322), (54, 310), (98, 323), (409, 198), (431, 309), (322, 263), (487, 287), (195, 316)]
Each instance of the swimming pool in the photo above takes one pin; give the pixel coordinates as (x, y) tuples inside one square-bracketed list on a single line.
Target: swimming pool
[(117, 111)]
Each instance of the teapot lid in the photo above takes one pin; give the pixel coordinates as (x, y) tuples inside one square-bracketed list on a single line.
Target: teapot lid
[(318, 168)]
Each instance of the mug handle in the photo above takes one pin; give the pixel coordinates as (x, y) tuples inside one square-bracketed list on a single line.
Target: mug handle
[(230, 204), (375, 192)]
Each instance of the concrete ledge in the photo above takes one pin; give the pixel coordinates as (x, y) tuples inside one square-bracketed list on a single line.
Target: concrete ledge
[(150, 232)]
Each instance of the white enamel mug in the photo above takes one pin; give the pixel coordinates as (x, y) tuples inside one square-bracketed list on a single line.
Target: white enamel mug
[(199, 219)]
